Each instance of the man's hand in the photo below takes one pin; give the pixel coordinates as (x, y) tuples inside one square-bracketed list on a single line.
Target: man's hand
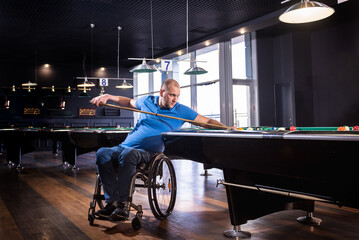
[(102, 98)]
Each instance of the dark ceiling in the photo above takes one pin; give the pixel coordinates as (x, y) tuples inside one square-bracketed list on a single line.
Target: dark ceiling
[(59, 30)]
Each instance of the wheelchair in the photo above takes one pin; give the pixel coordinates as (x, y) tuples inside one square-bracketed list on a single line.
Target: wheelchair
[(159, 177)]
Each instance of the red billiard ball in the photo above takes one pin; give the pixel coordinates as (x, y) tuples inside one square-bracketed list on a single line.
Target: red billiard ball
[(293, 128), (356, 128)]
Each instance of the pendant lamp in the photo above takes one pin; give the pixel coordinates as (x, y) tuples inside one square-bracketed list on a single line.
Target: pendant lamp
[(84, 93), (195, 70), (124, 83), (87, 83), (144, 67), (306, 11), (31, 85), (68, 92)]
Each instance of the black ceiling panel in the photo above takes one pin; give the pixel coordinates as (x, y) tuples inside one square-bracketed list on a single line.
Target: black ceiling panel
[(59, 30)]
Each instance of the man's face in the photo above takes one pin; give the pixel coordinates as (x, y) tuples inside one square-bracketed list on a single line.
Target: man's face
[(169, 97)]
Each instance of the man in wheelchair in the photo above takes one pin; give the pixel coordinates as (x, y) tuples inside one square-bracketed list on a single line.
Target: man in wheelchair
[(141, 144)]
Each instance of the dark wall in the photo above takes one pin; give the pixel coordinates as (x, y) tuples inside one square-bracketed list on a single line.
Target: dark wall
[(61, 75), (308, 73)]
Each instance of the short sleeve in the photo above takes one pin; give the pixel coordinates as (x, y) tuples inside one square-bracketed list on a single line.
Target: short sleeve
[(188, 113), (140, 101)]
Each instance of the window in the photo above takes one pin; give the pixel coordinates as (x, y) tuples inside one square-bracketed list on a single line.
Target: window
[(143, 83), (241, 105), (227, 93), (208, 99), (179, 67), (238, 58), (244, 86), (210, 55), (157, 82)]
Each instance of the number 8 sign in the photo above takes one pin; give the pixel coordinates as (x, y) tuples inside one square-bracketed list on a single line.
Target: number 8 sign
[(166, 65), (103, 82)]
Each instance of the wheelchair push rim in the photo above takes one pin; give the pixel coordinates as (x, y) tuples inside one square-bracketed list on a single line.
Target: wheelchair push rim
[(162, 187)]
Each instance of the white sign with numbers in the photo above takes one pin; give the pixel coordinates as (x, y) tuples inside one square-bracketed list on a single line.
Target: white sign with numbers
[(103, 82), (166, 65)]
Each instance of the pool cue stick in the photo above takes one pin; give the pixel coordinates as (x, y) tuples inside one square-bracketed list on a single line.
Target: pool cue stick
[(161, 115)]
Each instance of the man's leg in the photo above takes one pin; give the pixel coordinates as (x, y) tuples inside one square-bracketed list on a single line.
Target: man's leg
[(106, 159), (128, 161)]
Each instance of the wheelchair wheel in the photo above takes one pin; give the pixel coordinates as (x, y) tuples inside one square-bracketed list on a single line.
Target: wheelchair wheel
[(98, 199), (91, 218), (162, 187), (98, 194), (136, 223)]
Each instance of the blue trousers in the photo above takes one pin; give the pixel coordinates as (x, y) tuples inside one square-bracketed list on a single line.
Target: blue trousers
[(117, 188)]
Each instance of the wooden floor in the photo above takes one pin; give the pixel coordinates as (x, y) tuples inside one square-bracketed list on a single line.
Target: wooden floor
[(46, 201)]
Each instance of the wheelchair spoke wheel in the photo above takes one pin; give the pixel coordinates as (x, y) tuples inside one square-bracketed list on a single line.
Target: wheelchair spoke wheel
[(98, 193), (98, 199), (162, 187)]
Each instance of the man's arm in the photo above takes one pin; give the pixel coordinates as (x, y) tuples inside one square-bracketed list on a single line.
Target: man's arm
[(204, 120), (120, 100)]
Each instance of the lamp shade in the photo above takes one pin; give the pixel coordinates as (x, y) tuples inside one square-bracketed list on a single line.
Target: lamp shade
[(68, 92), (195, 70), (86, 84), (143, 68), (124, 85), (84, 94), (29, 84), (306, 11)]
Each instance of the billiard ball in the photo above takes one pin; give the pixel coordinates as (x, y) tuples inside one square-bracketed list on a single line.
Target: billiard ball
[(356, 128), (341, 129), (293, 128)]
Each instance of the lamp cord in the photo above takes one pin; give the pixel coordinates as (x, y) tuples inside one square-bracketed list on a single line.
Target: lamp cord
[(92, 26), (83, 66), (151, 29), (187, 27), (36, 53), (118, 52)]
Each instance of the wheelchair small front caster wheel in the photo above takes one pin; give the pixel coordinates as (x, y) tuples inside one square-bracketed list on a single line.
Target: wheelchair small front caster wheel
[(91, 219), (136, 223)]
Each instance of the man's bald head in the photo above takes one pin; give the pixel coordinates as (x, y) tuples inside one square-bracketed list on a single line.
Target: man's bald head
[(168, 83), (169, 93)]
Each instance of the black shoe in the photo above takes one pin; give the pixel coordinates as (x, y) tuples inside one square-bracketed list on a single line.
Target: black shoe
[(120, 213), (106, 211)]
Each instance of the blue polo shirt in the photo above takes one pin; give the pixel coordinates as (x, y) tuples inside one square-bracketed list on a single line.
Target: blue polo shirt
[(147, 132)]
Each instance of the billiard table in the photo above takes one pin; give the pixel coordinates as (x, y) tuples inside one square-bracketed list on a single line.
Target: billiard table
[(80, 141), (271, 170), (19, 141), (74, 141)]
